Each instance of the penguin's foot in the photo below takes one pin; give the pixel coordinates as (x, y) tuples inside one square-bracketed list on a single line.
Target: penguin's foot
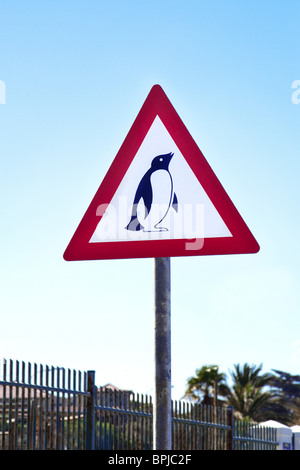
[(157, 229), (161, 229)]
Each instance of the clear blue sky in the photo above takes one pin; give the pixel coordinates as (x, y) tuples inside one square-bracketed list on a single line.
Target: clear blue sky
[(76, 74)]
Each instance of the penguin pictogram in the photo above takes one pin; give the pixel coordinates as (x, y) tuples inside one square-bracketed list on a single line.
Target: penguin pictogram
[(154, 197)]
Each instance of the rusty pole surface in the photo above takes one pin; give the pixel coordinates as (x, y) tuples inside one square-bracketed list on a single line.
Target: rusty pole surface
[(162, 439)]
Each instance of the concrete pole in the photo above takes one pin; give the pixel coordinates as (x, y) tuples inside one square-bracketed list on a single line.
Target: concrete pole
[(162, 396)]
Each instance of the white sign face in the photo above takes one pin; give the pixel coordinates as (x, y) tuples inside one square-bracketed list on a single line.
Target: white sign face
[(159, 198)]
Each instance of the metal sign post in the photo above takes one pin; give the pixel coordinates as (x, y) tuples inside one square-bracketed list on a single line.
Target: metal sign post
[(162, 395)]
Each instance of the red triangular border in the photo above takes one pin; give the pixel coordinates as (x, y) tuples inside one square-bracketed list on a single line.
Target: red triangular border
[(158, 104)]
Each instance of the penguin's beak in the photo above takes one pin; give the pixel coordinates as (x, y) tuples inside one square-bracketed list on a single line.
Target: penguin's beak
[(170, 156)]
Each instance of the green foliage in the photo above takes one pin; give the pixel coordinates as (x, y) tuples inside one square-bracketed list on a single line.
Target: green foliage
[(286, 390), (201, 387), (247, 395), (255, 396)]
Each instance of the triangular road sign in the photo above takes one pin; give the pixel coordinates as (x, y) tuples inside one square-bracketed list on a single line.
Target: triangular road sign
[(160, 198)]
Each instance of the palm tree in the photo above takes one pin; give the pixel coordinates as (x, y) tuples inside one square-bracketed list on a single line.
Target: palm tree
[(247, 396), (206, 385)]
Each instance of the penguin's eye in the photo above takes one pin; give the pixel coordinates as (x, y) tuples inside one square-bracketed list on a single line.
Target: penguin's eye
[(161, 159)]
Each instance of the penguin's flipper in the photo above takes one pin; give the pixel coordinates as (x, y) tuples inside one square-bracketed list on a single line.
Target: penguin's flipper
[(175, 203)]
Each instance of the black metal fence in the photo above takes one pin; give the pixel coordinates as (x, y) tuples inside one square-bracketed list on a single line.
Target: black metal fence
[(42, 407), (51, 408)]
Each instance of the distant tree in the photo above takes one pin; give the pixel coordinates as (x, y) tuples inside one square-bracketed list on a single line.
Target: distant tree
[(207, 384), (248, 395), (285, 389)]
